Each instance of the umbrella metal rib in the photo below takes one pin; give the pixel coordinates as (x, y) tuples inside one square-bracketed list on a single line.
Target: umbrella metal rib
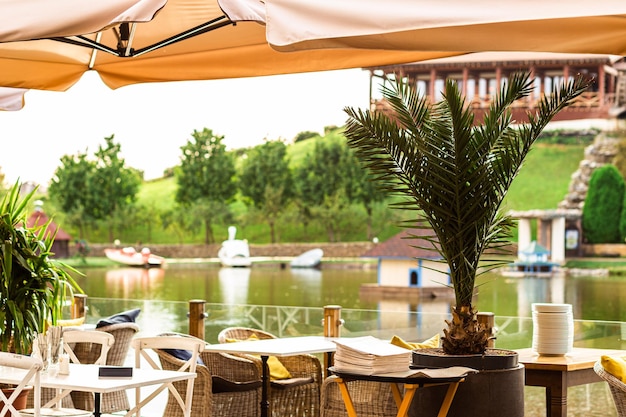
[(124, 48)]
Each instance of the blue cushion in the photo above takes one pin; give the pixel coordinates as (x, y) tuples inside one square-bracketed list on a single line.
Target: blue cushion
[(124, 317), (183, 355)]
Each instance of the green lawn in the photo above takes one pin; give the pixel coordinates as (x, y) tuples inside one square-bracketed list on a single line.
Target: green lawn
[(545, 177), (542, 183)]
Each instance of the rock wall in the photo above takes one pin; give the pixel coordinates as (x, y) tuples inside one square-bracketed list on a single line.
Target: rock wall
[(331, 250), (599, 153)]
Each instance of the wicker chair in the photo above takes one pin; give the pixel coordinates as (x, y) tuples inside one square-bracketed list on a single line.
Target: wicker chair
[(297, 397), (617, 387), (370, 399), (114, 401), (225, 386)]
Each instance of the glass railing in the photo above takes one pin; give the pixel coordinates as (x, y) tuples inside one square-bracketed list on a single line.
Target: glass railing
[(283, 321), (511, 332)]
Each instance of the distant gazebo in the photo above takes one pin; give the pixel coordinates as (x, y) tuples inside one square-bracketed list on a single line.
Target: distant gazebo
[(61, 245)]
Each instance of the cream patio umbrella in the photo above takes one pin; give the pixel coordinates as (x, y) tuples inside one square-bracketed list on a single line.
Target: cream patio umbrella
[(31, 20), (187, 40), (572, 26), (11, 99)]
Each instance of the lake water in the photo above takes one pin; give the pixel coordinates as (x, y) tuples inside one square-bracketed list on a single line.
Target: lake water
[(593, 298), (163, 295)]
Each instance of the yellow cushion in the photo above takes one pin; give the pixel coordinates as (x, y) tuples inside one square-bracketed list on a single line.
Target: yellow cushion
[(277, 369), (433, 342), (69, 322), (615, 365)]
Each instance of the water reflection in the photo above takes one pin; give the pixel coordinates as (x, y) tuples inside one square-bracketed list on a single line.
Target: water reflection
[(234, 285), (593, 298), (132, 282)]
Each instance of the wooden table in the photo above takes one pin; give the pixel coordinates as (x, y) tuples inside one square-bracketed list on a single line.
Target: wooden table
[(557, 373), (275, 347), (85, 378), (411, 384)]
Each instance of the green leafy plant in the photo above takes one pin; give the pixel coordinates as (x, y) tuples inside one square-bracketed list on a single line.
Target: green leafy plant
[(33, 287), (603, 206), (456, 173)]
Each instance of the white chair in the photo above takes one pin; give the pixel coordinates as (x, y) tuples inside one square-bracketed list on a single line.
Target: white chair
[(33, 367), (145, 351), (91, 340), (88, 342)]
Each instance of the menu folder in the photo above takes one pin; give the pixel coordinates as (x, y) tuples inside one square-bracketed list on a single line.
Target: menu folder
[(115, 372)]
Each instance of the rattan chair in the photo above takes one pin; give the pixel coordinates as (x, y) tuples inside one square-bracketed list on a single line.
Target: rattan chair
[(225, 386), (114, 401), (617, 387), (370, 399), (295, 397)]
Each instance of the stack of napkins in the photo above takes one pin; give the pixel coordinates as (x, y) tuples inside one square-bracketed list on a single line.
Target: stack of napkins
[(368, 355)]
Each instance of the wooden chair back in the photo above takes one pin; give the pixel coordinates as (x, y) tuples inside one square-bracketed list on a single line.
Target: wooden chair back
[(33, 367), (145, 352)]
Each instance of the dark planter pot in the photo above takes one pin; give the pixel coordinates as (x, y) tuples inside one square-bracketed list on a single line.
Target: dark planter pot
[(496, 390), (20, 401)]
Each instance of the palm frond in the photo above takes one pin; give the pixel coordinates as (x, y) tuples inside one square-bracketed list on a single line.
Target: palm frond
[(456, 173)]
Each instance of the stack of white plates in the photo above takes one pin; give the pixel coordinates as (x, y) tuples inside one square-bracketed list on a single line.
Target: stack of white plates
[(553, 328)]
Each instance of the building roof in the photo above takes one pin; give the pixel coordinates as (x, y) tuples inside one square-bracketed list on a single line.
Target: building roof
[(38, 217), (535, 249), (402, 246)]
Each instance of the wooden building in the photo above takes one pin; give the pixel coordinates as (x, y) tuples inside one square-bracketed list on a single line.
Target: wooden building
[(61, 245), (400, 269), (480, 76)]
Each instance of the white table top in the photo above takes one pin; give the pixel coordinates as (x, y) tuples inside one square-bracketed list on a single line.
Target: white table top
[(85, 378), (285, 346)]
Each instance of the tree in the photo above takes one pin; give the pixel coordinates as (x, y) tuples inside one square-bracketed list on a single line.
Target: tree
[(307, 134), (362, 188), (455, 174), (114, 186), (206, 175), (267, 181), (69, 189), (320, 183), (102, 189), (603, 206)]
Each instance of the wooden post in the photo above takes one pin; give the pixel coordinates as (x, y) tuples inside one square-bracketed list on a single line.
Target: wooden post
[(489, 320), (332, 328), (78, 306), (196, 318)]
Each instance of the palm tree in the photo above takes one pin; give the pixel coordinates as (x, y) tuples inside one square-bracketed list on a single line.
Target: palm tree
[(456, 174)]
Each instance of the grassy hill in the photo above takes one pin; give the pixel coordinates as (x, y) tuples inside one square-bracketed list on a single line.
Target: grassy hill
[(544, 179), (542, 183)]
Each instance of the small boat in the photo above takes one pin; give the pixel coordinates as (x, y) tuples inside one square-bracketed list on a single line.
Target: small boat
[(234, 252), (129, 256), (309, 259)]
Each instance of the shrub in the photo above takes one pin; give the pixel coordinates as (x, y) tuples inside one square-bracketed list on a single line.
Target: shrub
[(603, 206)]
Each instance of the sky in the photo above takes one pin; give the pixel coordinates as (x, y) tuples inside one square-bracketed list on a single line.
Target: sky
[(152, 121)]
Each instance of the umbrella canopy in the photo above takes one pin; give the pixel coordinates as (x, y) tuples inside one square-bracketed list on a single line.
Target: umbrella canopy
[(574, 26), (212, 48), (34, 19), (11, 99)]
